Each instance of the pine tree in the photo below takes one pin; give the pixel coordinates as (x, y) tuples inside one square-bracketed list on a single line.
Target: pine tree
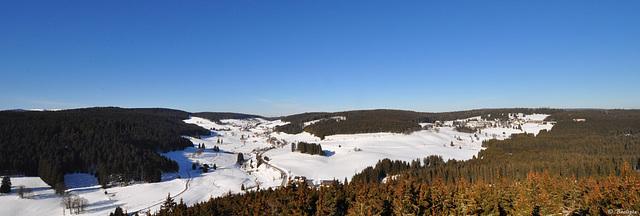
[(6, 185), (168, 206), (118, 212), (60, 188), (240, 159)]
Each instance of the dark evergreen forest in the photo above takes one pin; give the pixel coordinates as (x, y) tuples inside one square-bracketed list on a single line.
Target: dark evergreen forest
[(395, 121), (577, 168), (308, 148), (217, 116), (115, 144)]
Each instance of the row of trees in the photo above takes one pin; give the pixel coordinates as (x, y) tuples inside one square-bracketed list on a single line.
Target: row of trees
[(217, 116), (537, 194), (365, 125), (307, 148), (73, 203)]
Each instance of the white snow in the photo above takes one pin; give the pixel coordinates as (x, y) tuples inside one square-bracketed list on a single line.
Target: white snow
[(346, 156)]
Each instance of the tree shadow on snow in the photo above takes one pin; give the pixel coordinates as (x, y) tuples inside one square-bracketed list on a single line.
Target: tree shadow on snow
[(185, 166), (328, 153), (82, 190), (80, 180), (101, 206), (34, 189), (44, 196)]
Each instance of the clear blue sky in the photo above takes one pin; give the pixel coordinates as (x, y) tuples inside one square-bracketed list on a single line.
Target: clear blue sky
[(286, 57)]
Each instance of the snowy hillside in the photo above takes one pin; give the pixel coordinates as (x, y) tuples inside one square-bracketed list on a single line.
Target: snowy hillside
[(345, 156)]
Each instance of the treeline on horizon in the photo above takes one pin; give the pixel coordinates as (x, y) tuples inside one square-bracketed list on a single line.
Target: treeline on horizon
[(114, 144), (394, 121), (217, 116), (577, 168)]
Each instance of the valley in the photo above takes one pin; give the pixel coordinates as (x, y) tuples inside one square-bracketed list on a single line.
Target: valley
[(268, 162)]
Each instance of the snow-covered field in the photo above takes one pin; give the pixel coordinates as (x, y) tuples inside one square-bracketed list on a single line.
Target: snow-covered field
[(344, 160), (346, 155)]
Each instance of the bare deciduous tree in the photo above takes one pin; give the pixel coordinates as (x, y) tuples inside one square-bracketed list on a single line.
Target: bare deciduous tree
[(21, 190), (73, 202)]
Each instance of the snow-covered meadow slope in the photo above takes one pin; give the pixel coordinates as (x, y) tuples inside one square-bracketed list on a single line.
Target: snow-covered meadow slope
[(346, 155), (350, 154)]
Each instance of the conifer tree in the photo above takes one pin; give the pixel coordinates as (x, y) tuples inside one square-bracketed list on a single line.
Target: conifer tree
[(118, 212), (6, 185), (168, 206), (240, 159)]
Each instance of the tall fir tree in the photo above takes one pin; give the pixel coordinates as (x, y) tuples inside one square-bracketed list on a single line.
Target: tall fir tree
[(6, 185), (168, 206), (240, 158)]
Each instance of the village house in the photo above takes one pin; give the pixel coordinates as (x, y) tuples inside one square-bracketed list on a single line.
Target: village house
[(326, 183)]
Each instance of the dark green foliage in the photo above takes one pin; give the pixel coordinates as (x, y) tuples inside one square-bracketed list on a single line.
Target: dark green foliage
[(501, 114), (543, 194), (240, 159), (387, 167), (465, 129), (60, 187), (205, 168), (308, 148), (365, 125), (596, 147), (168, 206), (217, 116), (117, 144), (305, 117), (291, 128), (118, 212), (395, 121), (362, 121), (176, 115), (5, 187), (296, 125), (259, 162)]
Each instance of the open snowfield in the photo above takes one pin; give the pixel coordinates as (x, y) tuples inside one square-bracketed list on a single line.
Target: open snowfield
[(343, 161), (346, 155)]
